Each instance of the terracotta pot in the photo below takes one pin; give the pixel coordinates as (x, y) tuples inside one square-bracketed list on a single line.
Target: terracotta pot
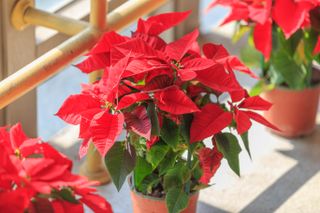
[(293, 111), (146, 204)]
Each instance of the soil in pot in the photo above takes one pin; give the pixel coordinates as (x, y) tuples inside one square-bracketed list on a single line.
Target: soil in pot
[(155, 204)]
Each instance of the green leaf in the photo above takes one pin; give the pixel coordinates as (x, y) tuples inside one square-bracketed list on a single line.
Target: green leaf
[(250, 56), (65, 194), (138, 142), (176, 200), (141, 170), (275, 77), (260, 87), (152, 113), (170, 133), (120, 163), (291, 72), (295, 40), (185, 127), (195, 146), (156, 154), (257, 89), (228, 145), (148, 183), (240, 32), (200, 186), (287, 61), (168, 162), (196, 169), (310, 40), (245, 141), (288, 45), (176, 176)]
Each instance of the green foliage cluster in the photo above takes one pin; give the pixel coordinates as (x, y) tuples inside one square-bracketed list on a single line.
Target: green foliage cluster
[(291, 60), (170, 169)]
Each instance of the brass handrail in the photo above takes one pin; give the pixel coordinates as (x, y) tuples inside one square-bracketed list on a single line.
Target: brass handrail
[(50, 63), (53, 21)]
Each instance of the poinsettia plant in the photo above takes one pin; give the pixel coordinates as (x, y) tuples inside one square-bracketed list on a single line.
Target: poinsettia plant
[(285, 32), (168, 99), (34, 177)]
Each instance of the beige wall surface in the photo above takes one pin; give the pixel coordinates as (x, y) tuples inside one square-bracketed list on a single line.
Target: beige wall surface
[(17, 50)]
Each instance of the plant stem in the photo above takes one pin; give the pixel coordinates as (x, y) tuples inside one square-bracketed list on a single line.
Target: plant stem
[(262, 64), (188, 184)]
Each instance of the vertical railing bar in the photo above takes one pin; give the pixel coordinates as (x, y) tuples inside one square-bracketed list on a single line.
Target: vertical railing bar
[(98, 19), (99, 9), (93, 167)]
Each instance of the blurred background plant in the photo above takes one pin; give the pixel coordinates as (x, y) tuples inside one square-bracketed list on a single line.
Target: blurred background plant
[(282, 40)]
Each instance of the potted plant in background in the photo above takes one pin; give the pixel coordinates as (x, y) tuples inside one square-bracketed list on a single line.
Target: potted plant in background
[(167, 98), (285, 32), (34, 177)]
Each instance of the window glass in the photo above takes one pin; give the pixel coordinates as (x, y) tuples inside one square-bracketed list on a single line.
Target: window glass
[(52, 94), (50, 5), (212, 18)]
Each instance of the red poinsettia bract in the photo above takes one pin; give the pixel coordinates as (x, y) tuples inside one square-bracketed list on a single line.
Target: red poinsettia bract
[(34, 177), (210, 160), (146, 79)]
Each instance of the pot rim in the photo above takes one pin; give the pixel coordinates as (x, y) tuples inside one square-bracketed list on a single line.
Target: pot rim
[(132, 189)]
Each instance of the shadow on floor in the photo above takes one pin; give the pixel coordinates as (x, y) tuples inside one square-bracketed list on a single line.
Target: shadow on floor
[(306, 152), (207, 208)]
